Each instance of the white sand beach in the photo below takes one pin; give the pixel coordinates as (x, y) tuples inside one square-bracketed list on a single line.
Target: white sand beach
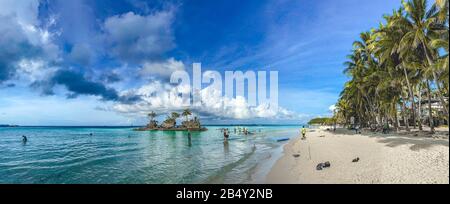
[(383, 158)]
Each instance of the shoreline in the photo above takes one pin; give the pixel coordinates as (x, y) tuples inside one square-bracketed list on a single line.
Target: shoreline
[(264, 166), (384, 158)]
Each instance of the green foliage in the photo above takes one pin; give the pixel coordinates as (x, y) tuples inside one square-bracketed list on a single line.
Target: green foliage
[(321, 121), (390, 64)]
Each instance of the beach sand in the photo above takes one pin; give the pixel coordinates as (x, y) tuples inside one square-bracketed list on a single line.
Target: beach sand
[(384, 158)]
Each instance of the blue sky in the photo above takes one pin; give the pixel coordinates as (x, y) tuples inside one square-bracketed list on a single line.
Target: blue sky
[(84, 62)]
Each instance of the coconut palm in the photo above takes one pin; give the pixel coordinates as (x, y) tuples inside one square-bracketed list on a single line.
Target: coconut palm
[(386, 47), (392, 66), (152, 115), (174, 116), (420, 25), (186, 113)]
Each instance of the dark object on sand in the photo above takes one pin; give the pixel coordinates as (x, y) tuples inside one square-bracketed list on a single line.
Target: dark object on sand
[(321, 166), (356, 159), (296, 155)]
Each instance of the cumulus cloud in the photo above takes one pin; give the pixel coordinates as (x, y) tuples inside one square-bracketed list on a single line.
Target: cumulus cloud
[(137, 38), (77, 84), (163, 69), (332, 108), (164, 98), (22, 38), (110, 77), (25, 11), (81, 54)]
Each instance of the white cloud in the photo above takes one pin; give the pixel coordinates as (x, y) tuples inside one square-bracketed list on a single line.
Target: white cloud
[(164, 68), (23, 41), (81, 54), (138, 38), (332, 108), (34, 69), (164, 98), (26, 11)]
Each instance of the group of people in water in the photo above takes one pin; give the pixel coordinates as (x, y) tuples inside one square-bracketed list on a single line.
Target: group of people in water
[(238, 130), (226, 132)]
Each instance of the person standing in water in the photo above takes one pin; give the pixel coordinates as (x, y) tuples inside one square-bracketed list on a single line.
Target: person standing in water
[(303, 131), (225, 135), (189, 138), (24, 139)]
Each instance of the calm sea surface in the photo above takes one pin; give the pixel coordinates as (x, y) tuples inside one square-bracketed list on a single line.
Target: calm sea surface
[(120, 155)]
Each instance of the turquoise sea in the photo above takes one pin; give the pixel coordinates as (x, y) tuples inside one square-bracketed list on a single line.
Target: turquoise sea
[(121, 155)]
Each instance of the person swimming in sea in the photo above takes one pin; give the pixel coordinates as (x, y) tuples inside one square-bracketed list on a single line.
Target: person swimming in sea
[(24, 139)]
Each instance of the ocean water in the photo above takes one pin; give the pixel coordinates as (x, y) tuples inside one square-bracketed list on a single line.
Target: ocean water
[(121, 155)]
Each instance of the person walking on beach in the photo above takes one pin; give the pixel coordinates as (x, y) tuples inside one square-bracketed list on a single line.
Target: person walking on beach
[(303, 131), (386, 128)]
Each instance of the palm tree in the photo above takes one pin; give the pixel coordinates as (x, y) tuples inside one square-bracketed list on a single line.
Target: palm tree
[(387, 49), (397, 62), (443, 10), (420, 26), (152, 115), (174, 116), (186, 113)]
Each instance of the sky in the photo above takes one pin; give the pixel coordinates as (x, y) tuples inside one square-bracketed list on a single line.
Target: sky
[(80, 62)]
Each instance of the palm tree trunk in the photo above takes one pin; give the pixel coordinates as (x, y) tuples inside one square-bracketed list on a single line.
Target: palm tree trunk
[(419, 115), (395, 120), (430, 111), (441, 98), (411, 96), (405, 120), (371, 111)]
